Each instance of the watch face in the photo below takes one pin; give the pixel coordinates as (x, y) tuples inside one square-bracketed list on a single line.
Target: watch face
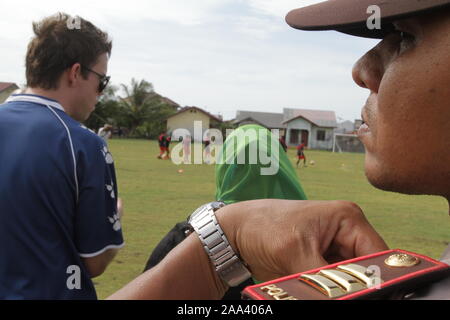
[(216, 205)]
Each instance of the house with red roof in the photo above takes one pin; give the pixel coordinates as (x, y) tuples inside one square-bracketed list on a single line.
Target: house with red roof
[(315, 128)]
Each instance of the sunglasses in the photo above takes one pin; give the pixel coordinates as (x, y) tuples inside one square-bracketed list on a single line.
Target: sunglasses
[(104, 79)]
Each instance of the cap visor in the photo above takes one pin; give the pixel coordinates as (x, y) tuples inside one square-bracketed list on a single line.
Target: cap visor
[(351, 16)]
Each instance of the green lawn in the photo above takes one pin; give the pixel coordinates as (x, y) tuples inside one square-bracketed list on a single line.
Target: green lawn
[(156, 197)]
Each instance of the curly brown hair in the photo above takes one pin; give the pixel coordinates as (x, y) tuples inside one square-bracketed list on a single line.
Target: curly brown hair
[(61, 41)]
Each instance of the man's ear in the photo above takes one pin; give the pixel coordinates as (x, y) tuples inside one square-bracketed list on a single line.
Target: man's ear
[(74, 75)]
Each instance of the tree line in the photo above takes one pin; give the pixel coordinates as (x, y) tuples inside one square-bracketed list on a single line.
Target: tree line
[(142, 113)]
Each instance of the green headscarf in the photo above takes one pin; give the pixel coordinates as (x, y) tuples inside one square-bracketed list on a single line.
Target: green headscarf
[(240, 182)]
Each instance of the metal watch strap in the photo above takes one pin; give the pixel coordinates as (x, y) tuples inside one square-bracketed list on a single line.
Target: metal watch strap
[(227, 264)]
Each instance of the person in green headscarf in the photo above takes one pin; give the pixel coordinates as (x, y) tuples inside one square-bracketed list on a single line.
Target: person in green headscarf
[(253, 165)]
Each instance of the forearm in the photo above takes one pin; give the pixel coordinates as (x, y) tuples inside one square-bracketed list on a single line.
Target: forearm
[(98, 264), (274, 238), (186, 273)]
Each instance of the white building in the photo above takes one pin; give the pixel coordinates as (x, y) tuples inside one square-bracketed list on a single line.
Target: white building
[(315, 128)]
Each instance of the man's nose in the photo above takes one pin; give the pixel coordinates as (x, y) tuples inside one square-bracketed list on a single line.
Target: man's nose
[(368, 71)]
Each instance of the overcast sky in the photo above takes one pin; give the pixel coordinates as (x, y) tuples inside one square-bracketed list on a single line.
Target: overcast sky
[(220, 55)]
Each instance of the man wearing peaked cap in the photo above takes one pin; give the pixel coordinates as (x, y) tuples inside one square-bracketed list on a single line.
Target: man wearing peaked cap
[(407, 75)]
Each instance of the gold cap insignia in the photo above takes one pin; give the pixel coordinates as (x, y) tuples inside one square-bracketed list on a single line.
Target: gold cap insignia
[(401, 260)]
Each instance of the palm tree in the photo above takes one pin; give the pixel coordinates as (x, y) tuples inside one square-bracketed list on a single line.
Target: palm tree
[(138, 105)]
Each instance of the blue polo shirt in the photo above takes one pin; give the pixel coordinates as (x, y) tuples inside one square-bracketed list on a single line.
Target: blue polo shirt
[(58, 201)]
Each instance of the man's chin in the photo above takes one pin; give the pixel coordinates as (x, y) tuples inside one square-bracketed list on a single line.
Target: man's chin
[(379, 183), (379, 176), (392, 182)]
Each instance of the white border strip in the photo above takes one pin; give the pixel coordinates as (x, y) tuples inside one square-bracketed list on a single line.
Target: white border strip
[(111, 246), (33, 99), (71, 149)]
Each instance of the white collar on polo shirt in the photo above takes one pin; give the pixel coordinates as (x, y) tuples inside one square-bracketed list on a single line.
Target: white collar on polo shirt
[(35, 99)]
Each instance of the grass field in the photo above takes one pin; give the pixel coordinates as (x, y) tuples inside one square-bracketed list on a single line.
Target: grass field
[(156, 197)]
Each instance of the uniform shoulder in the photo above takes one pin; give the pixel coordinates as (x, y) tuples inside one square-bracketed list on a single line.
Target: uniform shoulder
[(85, 134)]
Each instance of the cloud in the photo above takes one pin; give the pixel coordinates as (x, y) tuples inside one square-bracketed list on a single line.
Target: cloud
[(190, 12), (266, 17), (257, 27), (278, 8)]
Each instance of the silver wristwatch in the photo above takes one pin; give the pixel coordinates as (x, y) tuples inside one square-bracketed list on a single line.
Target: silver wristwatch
[(227, 264)]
